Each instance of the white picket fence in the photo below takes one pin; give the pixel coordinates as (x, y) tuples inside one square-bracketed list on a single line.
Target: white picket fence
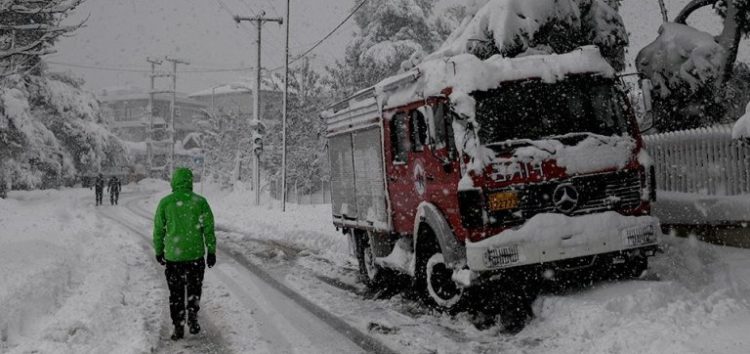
[(703, 161)]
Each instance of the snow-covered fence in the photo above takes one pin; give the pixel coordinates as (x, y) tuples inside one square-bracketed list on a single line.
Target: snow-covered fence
[(294, 195), (703, 161)]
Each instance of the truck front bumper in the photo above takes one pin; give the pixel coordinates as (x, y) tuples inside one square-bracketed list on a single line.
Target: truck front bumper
[(547, 238)]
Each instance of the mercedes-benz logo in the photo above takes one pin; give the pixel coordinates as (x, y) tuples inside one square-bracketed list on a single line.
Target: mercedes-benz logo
[(565, 198)]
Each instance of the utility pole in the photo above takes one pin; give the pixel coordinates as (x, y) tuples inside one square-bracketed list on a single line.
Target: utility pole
[(172, 110), (149, 143), (258, 21), (284, 112)]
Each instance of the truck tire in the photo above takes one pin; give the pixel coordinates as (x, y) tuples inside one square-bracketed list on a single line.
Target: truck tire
[(633, 268), (372, 275), (436, 285)]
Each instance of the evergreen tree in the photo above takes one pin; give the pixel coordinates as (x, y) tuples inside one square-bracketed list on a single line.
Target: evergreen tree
[(389, 33), (51, 130)]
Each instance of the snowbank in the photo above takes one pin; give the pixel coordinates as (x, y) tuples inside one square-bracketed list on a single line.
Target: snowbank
[(695, 209), (71, 282)]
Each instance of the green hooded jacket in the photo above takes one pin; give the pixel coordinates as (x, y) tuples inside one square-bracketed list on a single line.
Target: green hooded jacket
[(183, 224)]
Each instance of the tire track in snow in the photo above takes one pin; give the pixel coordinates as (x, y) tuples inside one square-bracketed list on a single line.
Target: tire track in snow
[(361, 339)]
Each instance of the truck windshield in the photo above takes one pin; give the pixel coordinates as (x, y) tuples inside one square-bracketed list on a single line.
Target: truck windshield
[(536, 110)]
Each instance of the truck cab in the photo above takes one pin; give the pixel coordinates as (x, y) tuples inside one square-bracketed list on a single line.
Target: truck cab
[(464, 172)]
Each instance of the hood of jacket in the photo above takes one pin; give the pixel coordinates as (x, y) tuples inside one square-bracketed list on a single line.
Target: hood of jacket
[(182, 180)]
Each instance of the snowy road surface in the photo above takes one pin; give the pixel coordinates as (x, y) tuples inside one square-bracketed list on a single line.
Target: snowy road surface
[(76, 281)]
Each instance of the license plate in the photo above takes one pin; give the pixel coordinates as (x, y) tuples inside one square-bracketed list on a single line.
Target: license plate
[(501, 256), (503, 201), (636, 236)]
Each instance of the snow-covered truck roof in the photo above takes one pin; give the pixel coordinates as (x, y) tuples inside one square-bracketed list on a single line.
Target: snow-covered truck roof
[(462, 73)]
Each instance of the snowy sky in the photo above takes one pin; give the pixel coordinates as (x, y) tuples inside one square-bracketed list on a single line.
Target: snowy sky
[(122, 33)]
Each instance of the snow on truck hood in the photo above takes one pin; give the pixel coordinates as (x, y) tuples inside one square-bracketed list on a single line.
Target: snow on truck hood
[(592, 154)]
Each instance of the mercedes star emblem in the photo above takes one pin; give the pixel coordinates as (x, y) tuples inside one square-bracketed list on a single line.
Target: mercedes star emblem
[(565, 198)]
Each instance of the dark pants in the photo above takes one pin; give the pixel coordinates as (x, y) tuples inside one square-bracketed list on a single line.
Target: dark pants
[(99, 194), (182, 278), (113, 196)]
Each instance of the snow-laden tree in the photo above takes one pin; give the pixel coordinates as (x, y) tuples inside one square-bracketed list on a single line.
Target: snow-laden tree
[(29, 29), (307, 164), (51, 130), (389, 33), (695, 73), (521, 27)]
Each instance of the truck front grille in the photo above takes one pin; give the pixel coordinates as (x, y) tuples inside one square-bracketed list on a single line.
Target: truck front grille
[(620, 191)]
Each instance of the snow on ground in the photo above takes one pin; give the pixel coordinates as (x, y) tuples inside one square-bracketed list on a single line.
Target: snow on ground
[(79, 283), (71, 281), (695, 301), (690, 208)]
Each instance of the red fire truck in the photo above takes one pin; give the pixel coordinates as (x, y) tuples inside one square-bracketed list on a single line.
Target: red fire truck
[(464, 172)]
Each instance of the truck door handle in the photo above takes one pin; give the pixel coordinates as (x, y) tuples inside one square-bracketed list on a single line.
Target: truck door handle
[(392, 178), (430, 177)]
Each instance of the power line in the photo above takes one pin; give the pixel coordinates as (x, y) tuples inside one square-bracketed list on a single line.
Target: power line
[(215, 70), (93, 67), (226, 9), (326, 36), (138, 70)]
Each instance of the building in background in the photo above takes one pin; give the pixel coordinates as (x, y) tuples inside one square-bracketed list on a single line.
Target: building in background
[(126, 112), (236, 99)]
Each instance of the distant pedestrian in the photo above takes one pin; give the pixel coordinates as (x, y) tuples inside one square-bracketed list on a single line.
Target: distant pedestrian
[(113, 187), (183, 235), (99, 188)]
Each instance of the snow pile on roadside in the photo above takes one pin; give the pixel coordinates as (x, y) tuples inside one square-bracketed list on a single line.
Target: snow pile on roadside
[(700, 305), (67, 284), (696, 209)]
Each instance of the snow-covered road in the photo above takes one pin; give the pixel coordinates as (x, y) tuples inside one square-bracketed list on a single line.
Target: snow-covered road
[(274, 318), (81, 279)]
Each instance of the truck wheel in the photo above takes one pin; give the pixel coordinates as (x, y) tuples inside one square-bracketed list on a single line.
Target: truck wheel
[(631, 269), (439, 288), (370, 273)]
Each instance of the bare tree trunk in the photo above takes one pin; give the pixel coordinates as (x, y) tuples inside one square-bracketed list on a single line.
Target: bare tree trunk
[(729, 39), (690, 8)]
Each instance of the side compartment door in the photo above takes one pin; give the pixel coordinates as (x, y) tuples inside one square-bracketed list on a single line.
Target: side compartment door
[(369, 183), (343, 197)]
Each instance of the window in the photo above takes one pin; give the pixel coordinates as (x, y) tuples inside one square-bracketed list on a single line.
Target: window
[(400, 137), (418, 131), (443, 121)]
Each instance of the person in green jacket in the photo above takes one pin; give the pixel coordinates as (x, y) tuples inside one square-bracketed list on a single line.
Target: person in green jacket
[(183, 235)]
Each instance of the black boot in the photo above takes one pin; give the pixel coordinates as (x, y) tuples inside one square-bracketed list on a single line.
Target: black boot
[(179, 332), (195, 328)]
